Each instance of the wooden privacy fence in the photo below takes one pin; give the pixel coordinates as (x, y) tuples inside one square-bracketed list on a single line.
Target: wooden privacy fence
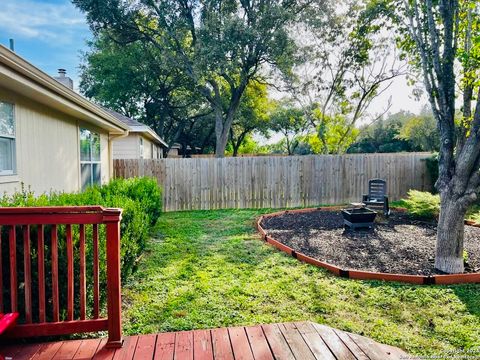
[(277, 182)]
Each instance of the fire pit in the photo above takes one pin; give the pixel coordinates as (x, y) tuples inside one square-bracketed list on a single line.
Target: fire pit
[(359, 217)]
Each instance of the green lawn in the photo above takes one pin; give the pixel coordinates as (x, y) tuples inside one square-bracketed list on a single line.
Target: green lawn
[(209, 269)]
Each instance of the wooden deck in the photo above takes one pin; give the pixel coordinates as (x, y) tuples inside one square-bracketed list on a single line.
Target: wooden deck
[(301, 341)]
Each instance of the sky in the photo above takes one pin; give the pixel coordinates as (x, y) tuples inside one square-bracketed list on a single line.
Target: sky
[(52, 34)]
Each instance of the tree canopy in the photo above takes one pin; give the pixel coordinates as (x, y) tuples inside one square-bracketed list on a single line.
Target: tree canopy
[(346, 68), (133, 80), (210, 42)]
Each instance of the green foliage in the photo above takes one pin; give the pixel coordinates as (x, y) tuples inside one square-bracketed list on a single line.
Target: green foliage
[(290, 121), (143, 191), (334, 133), (421, 131), (209, 269), (348, 66), (422, 204), (383, 136), (136, 80), (209, 42), (252, 116), (432, 169), (140, 199)]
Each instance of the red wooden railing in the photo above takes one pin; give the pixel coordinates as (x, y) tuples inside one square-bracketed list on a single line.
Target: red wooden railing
[(57, 313)]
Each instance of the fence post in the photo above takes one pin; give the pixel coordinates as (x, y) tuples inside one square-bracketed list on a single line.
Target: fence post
[(112, 217)]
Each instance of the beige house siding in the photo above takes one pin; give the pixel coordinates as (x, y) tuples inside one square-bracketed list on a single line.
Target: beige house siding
[(47, 148), (129, 147), (147, 148)]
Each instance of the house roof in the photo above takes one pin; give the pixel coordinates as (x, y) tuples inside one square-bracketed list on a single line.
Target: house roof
[(135, 126), (18, 75)]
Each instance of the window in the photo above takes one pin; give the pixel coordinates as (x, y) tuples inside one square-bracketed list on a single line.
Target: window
[(7, 139), (89, 158), (141, 148)]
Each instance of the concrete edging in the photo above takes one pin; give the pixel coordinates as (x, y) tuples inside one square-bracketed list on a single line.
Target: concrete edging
[(364, 275)]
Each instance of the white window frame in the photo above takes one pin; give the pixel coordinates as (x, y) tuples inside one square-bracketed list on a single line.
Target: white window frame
[(90, 162), (13, 143)]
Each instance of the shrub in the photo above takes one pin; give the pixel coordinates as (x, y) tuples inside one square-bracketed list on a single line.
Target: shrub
[(144, 191), (140, 199), (422, 204), (432, 170)]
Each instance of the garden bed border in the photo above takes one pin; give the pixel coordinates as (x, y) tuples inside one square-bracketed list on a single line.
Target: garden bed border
[(359, 274)]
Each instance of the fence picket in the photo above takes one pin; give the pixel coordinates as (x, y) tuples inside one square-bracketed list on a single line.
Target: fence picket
[(275, 181)]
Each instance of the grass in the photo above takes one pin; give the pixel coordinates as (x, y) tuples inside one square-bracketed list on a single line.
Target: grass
[(209, 269)]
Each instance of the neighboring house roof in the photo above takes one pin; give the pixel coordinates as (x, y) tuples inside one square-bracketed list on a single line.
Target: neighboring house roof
[(138, 127), (18, 75)]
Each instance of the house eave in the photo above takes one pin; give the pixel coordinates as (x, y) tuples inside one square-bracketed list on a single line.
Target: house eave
[(149, 133), (19, 76)]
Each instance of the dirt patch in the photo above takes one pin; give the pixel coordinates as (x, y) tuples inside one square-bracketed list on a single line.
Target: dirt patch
[(399, 244)]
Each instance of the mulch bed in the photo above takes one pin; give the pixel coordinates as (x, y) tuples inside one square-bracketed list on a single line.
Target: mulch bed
[(397, 245)]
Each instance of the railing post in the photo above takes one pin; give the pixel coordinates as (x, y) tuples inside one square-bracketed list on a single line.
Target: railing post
[(111, 218)]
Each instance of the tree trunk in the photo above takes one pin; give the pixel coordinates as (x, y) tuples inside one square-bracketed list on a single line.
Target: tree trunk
[(450, 233), (289, 151), (221, 145), (221, 137)]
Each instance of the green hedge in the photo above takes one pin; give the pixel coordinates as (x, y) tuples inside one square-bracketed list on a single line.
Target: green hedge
[(140, 199)]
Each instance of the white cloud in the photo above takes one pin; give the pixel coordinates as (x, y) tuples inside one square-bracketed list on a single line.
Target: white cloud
[(41, 20)]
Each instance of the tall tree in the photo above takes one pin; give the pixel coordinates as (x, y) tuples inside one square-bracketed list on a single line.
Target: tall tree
[(133, 80), (209, 40), (346, 69), (441, 38), (291, 122)]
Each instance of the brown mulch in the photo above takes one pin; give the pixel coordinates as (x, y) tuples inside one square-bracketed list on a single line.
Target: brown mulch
[(399, 244)]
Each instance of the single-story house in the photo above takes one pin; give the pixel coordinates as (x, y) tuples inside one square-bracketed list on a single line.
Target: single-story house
[(141, 143), (51, 138)]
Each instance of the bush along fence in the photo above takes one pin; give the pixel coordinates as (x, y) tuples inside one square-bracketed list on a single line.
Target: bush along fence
[(277, 182), (140, 200)]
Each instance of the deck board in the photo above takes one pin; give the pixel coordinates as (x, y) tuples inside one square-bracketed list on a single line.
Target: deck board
[(352, 345), (334, 343), (165, 347), (295, 340), (222, 348), (288, 341), (317, 346), (47, 351), (145, 347), (184, 346), (202, 345), (67, 350), (240, 344), (258, 343), (103, 353), (128, 349), (277, 342)]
